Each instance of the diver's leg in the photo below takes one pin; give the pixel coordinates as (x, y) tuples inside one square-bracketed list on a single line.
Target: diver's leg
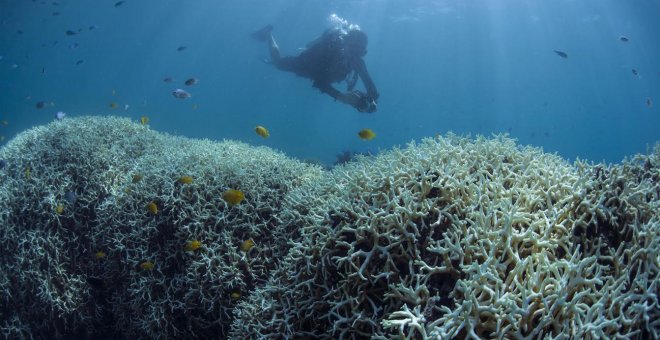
[(266, 34), (263, 33), (289, 64), (274, 50)]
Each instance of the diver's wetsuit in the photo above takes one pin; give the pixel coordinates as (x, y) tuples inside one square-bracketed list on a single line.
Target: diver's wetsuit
[(326, 61)]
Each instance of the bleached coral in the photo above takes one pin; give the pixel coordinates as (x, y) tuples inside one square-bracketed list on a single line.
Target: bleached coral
[(116, 167), (449, 238), (468, 239)]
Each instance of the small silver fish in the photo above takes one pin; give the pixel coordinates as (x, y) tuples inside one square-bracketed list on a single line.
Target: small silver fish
[(191, 81), (561, 53), (181, 94)]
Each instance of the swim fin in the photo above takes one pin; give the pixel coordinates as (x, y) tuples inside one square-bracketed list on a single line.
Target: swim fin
[(262, 34)]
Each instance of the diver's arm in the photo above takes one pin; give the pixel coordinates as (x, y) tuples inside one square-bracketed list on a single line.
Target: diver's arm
[(361, 69), (329, 90), (353, 98)]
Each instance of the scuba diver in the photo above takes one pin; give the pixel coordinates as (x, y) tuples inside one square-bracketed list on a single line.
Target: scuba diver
[(333, 57)]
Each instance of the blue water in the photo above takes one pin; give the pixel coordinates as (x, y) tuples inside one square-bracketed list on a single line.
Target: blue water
[(471, 67)]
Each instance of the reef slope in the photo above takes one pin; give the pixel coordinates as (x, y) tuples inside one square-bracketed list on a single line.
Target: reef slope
[(449, 238)]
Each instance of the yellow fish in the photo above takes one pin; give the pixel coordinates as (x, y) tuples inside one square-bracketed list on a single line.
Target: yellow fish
[(59, 209), (233, 197), (27, 172), (367, 134), (192, 245), (144, 120), (262, 131), (185, 180), (113, 105), (153, 208), (146, 265), (137, 178), (99, 254), (235, 295), (247, 245), (194, 106)]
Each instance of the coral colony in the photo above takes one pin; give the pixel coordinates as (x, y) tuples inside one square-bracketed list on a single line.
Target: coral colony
[(451, 237)]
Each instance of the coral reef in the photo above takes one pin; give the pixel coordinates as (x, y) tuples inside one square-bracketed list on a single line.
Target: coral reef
[(348, 156), (456, 238), (145, 284), (449, 238)]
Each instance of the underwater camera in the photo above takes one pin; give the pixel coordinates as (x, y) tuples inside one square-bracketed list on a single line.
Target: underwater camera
[(364, 102)]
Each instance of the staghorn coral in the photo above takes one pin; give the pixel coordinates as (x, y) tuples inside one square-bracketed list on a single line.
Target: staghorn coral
[(456, 238), (449, 238), (49, 267)]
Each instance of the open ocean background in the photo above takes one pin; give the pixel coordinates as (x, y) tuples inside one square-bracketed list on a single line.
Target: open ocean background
[(471, 67)]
